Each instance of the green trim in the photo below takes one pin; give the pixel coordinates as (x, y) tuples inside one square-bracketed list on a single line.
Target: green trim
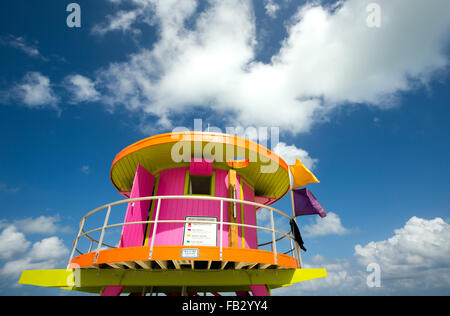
[(186, 182), (152, 210), (247, 182), (242, 217), (213, 184)]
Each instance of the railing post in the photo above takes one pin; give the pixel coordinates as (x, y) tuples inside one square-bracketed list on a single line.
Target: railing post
[(274, 244), (90, 246), (221, 228), (292, 245), (76, 241), (154, 229), (100, 242)]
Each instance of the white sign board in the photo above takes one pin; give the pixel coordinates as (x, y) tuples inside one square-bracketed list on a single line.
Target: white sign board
[(198, 234), (189, 253)]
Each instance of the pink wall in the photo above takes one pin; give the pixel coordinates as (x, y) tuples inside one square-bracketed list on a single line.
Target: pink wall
[(201, 168), (250, 234), (172, 182)]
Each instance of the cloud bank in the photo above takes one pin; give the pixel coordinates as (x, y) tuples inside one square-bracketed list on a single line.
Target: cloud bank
[(330, 58), (329, 225), (17, 253), (21, 44), (414, 261), (35, 91)]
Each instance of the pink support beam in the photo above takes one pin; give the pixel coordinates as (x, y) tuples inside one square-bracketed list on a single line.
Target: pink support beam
[(113, 290), (133, 235), (259, 290), (250, 234)]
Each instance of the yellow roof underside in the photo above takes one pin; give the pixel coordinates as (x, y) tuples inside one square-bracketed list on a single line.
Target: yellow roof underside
[(154, 154)]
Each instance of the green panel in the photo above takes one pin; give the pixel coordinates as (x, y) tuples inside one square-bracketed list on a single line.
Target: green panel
[(152, 210), (213, 184), (186, 183), (111, 277), (167, 281), (242, 214), (93, 278)]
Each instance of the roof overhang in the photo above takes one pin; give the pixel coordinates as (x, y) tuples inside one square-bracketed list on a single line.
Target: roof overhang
[(266, 170)]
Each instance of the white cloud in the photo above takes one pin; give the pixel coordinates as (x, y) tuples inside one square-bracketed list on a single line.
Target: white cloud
[(417, 255), (43, 225), (8, 189), (414, 261), (142, 11), (263, 217), (290, 153), (85, 170), (330, 58), (82, 89), (48, 253), (12, 242), (35, 91), (329, 225), (122, 21), (271, 8), (342, 279), (20, 43), (48, 249)]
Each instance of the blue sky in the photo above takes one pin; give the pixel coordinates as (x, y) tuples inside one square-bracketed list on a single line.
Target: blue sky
[(367, 107)]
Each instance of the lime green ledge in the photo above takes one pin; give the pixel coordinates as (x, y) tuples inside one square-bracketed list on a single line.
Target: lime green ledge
[(48, 278), (90, 280)]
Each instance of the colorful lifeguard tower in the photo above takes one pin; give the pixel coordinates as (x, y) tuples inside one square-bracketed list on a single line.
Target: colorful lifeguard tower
[(190, 225)]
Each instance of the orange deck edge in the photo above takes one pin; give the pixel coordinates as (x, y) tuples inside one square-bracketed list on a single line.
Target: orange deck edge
[(174, 253)]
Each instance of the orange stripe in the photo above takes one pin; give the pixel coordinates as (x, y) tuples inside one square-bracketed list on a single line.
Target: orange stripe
[(124, 254), (83, 260), (174, 253)]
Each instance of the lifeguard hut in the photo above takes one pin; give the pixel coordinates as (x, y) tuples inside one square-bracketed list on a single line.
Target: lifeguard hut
[(190, 227)]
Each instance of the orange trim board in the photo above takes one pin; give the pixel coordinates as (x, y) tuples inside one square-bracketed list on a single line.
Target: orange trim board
[(174, 253), (83, 260)]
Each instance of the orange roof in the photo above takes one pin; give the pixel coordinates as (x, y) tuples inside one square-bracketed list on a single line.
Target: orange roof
[(154, 153)]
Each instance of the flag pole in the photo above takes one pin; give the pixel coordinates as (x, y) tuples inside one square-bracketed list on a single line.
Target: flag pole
[(297, 248)]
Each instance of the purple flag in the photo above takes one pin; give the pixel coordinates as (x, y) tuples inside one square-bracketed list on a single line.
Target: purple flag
[(305, 203)]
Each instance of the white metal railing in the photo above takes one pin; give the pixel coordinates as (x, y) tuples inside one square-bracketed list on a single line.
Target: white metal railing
[(108, 207)]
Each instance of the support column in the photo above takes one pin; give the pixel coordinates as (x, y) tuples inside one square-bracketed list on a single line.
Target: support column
[(233, 241), (259, 290), (113, 290)]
